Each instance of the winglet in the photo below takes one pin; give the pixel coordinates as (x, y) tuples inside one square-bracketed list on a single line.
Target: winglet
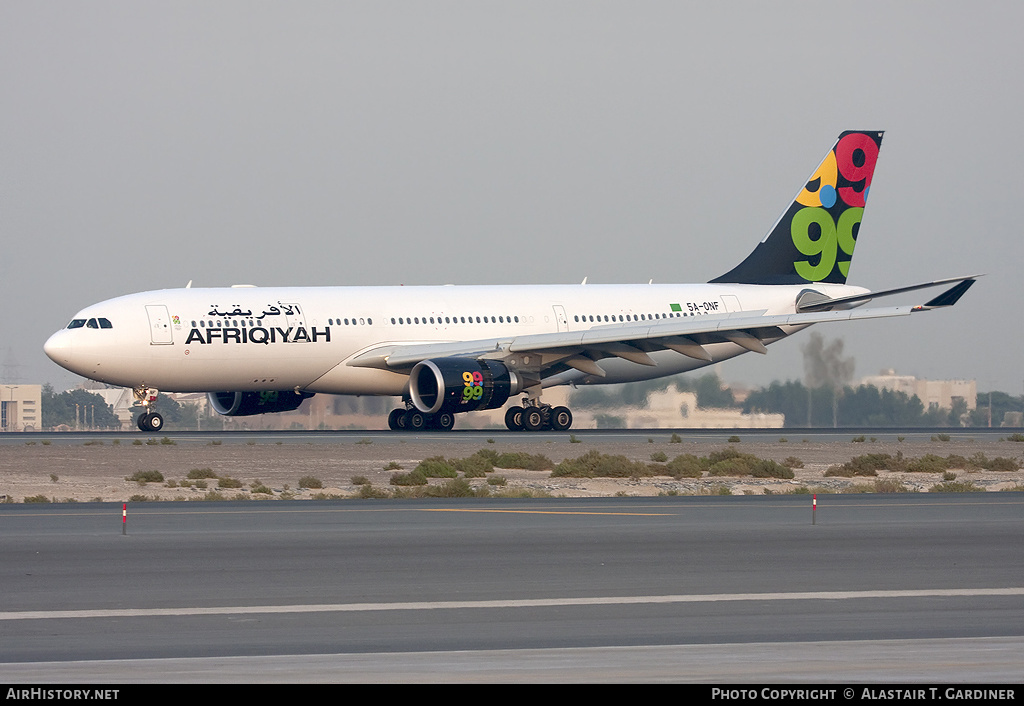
[(951, 296)]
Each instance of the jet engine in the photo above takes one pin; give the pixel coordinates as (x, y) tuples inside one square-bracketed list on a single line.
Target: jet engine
[(244, 404), (461, 385)]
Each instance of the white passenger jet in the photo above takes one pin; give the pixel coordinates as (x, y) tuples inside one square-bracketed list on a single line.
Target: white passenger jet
[(447, 349)]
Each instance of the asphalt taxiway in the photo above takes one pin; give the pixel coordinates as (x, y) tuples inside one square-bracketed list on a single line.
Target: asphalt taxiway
[(617, 589)]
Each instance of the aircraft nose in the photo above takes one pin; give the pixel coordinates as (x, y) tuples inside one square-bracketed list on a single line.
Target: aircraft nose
[(58, 347)]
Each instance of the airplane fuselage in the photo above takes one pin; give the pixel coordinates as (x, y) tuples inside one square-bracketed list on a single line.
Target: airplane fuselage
[(255, 338)]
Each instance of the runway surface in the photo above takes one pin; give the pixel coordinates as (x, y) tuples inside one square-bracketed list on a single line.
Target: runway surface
[(882, 588), (477, 436)]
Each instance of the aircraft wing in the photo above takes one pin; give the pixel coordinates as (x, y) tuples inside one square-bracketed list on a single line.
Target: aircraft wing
[(634, 340)]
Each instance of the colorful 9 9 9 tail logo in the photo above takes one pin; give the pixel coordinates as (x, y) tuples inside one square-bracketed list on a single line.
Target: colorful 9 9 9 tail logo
[(830, 208)]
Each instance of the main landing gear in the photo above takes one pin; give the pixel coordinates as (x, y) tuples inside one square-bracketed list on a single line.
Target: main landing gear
[(532, 416), (414, 420), (536, 416), (149, 420)]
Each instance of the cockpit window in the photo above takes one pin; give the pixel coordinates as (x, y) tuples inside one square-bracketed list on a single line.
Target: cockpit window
[(98, 322)]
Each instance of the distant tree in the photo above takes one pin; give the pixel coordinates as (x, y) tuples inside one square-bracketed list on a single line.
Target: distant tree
[(1001, 404), (868, 406), (77, 409), (711, 393), (793, 399)]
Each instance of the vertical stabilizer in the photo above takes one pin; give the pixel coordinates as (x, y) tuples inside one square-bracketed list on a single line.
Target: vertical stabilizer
[(814, 239)]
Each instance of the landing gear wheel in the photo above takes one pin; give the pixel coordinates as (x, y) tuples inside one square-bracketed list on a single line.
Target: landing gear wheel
[(514, 418), (415, 420), (533, 419), (444, 421), (150, 421), (561, 418), (396, 420)]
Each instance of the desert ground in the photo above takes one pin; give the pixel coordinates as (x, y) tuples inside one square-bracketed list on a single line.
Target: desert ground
[(99, 470)]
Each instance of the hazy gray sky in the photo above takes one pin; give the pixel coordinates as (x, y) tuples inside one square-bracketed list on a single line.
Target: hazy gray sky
[(146, 144)]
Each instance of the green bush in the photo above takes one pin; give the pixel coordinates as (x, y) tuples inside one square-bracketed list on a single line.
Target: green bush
[(454, 488), (956, 486), (414, 477), (888, 485), (310, 482), (685, 466), (368, 492), (523, 460), (594, 464), (435, 467), (200, 473), (146, 477), (929, 463), (475, 466)]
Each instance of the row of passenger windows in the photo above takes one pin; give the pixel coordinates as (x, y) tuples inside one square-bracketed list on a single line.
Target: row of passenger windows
[(226, 323), (351, 322), (402, 320), (597, 318), (91, 323)]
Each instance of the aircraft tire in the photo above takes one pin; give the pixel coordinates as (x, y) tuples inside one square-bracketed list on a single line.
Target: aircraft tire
[(156, 422), (143, 422), (514, 418), (533, 419), (561, 418), (396, 420), (415, 420), (444, 421)]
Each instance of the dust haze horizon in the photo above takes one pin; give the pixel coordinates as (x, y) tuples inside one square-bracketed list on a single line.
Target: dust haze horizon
[(147, 145)]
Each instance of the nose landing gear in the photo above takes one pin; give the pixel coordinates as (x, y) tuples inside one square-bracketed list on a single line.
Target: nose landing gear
[(149, 420)]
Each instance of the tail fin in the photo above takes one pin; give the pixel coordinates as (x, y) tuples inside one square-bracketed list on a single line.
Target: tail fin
[(814, 239)]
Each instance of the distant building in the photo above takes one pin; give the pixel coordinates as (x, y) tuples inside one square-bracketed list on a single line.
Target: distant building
[(940, 393), (671, 409), (21, 407), (120, 399)]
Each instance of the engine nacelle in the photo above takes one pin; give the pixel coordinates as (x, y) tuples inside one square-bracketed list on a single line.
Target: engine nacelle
[(244, 404), (461, 385)]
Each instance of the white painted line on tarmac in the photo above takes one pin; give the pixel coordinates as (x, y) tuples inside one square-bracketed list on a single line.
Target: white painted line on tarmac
[(509, 603)]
